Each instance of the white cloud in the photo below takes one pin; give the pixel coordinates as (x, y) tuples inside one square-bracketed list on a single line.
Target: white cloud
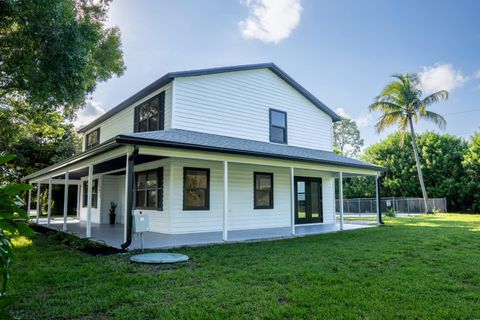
[(91, 111), (440, 77), (343, 113), (270, 21), (362, 121), (476, 75)]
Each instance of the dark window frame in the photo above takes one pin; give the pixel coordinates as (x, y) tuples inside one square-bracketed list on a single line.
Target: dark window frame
[(160, 114), (255, 206), (94, 193), (207, 191), (271, 125), (89, 146), (159, 175)]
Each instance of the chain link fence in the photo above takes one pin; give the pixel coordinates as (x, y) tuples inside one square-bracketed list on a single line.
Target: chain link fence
[(392, 204)]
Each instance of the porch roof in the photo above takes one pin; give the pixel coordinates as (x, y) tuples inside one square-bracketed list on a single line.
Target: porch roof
[(193, 140), (185, 139)]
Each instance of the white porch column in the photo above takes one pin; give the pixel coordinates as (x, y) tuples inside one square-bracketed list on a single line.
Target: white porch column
[(125, 217), (49, 204), (225, 200), (38, 202), (292, 199), (377, 198), (89, 201), (29, 202), (79, 198), (65, 202), (340, 197)]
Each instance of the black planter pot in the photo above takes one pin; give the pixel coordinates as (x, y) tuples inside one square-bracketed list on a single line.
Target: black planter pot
[(112, 218)]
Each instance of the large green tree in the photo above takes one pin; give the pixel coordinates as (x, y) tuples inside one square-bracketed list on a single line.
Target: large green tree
[(346, 137), (442, 156), (52, 55), (54, 52), (402, 103), (38, 139), (471, 163)]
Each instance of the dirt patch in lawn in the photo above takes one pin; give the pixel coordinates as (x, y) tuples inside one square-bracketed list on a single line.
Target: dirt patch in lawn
[(91, 247)]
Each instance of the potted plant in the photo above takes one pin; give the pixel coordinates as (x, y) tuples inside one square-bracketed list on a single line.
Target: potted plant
[(112, 215)]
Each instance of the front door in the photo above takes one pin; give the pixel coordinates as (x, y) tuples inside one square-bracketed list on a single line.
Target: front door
[(308, 200)]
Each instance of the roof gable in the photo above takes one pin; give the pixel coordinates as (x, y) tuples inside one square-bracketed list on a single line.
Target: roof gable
[(169, 77)]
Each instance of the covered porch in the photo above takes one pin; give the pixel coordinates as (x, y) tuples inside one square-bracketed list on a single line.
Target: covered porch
[(230, 164)]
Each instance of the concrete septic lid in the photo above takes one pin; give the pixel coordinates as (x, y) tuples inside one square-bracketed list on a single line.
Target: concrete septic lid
[(159, 258)]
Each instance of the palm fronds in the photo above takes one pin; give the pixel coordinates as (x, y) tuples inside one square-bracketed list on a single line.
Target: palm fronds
[(435, 118), (401, 100)]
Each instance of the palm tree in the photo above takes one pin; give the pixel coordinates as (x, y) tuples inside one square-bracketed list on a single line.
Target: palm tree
[(401, 104)]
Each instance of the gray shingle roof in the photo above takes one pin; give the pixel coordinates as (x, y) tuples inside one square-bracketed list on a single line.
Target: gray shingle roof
[(167, 78), (212, 142)]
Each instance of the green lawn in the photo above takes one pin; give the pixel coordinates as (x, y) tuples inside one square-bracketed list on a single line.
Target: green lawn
[(411, 268)]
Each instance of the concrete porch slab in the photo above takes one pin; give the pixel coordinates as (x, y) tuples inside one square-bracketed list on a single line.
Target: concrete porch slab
[(112, 235)]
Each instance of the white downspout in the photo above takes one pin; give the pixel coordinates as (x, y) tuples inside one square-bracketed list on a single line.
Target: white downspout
[(225, 200), (88, 232), (38, 201), (340, 197), (49, 204), (292, 199)]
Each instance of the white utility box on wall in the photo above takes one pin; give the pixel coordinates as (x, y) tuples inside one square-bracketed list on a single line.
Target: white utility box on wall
[(140, 222)]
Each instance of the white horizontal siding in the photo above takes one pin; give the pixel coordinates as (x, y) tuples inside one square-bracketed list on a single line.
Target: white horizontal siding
[(120, 188), (111, 193), (190, 221), (328, 189), (237, 104), (122, 122), (159, 220), (241, 214)]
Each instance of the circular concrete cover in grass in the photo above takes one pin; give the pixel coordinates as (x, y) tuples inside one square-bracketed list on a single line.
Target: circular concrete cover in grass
[(160, 257)]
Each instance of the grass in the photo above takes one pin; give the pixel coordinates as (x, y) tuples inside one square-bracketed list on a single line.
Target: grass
[(411, 268)]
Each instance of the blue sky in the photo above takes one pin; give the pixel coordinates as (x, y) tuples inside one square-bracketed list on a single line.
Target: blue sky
[(341, 51)]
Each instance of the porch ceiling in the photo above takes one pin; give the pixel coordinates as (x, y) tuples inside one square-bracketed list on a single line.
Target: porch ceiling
[(117, 165)]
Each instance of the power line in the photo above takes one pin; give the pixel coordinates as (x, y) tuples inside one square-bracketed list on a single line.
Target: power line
[(459, 112), (445, 114)]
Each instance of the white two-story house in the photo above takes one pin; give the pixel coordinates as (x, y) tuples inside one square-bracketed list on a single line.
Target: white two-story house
[(214, 153)]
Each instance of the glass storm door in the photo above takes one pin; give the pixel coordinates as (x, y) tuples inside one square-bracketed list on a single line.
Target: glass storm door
[(308, 200)]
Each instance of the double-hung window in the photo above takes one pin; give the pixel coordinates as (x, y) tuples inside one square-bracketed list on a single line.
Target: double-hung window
[(149, 189), (196, 189), (92, 139), (150, 115), (278, 126), (263, 190), (94, 193)]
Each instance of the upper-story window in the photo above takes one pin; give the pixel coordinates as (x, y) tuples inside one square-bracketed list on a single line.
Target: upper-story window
[(92, 139), (150, 115), (278, 126)]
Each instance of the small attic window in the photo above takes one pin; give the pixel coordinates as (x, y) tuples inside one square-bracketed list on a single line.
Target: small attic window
[(92, 139), (150, 115)]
